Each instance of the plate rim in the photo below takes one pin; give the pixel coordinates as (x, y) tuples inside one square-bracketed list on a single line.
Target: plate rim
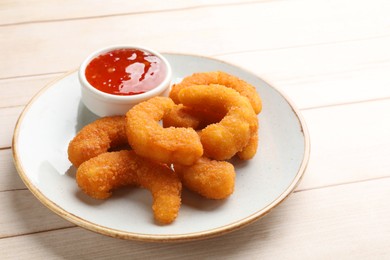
[(77, 220)]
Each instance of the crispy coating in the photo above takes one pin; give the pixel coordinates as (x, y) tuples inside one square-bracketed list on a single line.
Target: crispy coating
[(99, 176), (224, 139), (220, 78), (181, 116), (97, 138), (250, 149), (149, 139), (209, 178)]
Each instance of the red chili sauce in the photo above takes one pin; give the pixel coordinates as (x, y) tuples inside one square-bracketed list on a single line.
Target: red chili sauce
[(125, 72)]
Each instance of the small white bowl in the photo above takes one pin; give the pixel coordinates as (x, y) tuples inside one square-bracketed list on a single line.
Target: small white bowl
[(105, 104)]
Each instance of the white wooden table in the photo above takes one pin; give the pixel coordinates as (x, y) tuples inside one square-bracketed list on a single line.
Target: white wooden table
[(332, 58)]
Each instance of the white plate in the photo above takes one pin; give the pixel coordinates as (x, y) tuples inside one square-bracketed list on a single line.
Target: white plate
[(55, 115)]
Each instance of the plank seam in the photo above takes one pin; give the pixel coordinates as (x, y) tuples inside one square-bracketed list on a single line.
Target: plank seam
[(32, 75), (306, 45), (345, 103), (37, 232), (11, 190), (342, 184)]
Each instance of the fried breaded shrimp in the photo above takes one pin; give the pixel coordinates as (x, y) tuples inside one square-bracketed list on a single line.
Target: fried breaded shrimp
[(149, 139), (224, 139), (181, 116), (96, 138), (250, 149), (209, 178), (220, 78), (99, 176)]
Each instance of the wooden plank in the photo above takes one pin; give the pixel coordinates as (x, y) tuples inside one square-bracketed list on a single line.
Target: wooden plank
[(303, 23), (339, 88), (17, 12), (324, 74), (349, 143), (18, 91), (348, 222), (31, 215), (9, 178), (8, 118)]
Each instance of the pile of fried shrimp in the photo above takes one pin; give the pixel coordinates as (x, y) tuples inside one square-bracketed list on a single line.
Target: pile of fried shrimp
[(166, 143)]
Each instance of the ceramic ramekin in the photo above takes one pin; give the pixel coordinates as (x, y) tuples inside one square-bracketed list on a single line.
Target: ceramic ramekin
[(104, 104)]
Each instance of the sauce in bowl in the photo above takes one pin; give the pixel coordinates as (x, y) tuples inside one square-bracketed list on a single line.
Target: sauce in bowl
[(116, 78), (125, 72)]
